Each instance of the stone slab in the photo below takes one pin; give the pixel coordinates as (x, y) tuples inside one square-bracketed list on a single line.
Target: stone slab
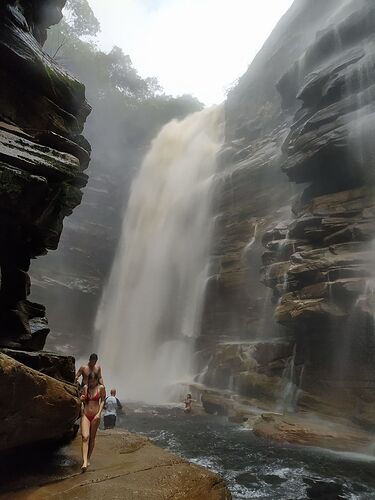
[(124, 466)]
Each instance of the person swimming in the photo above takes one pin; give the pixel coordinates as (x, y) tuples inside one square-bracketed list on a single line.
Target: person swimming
[(92, 397)]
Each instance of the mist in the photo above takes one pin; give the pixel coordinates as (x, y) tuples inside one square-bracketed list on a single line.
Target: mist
[(127, 112), (193, 181)]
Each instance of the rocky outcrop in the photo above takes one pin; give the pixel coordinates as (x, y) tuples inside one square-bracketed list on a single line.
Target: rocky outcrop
[(42, 163), (123, 466), (306, 431), (51, 364), (237, 408), (253, 368), (295, 211), (37, 407), (42, 159), (323, 278)]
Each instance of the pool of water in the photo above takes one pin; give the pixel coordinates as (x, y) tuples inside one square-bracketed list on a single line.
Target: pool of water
[(252, 467)]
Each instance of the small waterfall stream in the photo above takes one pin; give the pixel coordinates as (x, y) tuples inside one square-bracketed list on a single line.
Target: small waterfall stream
[(150, 311), (289, 388)]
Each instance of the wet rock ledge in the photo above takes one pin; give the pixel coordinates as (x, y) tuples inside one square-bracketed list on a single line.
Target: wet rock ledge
[(124, 466)]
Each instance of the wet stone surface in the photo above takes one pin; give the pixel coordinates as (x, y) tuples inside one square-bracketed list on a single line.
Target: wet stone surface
[(251, 466)]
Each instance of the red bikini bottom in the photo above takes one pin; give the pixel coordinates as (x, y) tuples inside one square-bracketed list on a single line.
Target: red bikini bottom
[(90, 417)]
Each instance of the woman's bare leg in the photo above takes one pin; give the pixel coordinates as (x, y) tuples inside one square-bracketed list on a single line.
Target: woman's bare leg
[(93, 430), (85, 432)]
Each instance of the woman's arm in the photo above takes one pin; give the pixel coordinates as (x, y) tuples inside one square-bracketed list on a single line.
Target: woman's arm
[(100, 376), (83, 396), (102, 401)]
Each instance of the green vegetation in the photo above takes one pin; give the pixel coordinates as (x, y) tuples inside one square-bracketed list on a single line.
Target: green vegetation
[(128, 110)]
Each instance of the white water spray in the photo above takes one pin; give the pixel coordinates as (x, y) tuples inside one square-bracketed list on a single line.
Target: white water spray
[(151, 309)]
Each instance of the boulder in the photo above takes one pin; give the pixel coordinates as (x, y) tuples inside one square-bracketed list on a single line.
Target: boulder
[(38, 408), (48, 363)]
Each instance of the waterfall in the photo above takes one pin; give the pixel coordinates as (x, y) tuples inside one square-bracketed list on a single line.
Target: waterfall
[(289, 388), (151, 308)]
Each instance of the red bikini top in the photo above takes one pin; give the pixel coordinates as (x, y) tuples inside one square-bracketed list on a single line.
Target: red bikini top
[(94, 398)]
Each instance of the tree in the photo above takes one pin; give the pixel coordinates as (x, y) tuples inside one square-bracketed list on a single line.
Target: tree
[(80, 19), (72, 43), (128, 110)]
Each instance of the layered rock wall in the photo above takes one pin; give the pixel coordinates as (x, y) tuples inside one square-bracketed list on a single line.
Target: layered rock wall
[(42, 161), (324, 277), (252, 191), (295, 209)]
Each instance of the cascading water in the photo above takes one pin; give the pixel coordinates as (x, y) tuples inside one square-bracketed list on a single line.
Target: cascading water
[(150, 311), (289, 388)]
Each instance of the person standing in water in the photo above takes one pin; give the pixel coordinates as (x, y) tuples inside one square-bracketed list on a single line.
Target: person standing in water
[(111, 405), (188, 403), (93, 398), (91, 367)]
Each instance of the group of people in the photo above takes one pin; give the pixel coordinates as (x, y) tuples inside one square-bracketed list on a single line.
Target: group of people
[(94, 401)]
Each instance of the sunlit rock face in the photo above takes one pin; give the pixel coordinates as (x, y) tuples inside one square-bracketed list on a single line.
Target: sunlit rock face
[(42, 159), (298, 177)]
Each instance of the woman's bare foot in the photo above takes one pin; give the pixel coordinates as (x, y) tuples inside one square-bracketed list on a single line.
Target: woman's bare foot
[(88, 463), (84, 467)]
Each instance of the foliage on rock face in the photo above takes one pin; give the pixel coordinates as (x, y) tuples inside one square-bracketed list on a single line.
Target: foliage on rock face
[(134, 107)]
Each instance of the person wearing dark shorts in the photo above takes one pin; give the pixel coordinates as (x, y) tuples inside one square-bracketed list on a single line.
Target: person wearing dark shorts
[(111, 406)]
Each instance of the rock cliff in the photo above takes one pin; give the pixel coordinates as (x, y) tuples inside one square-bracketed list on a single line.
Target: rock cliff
[(43, 157), (42, 161), (295, 211)]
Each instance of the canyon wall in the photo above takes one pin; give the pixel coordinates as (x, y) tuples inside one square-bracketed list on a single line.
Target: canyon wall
[(42, 161), (290, 292)]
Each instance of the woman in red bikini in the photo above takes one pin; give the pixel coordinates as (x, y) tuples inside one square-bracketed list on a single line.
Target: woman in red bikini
[(93, 398)]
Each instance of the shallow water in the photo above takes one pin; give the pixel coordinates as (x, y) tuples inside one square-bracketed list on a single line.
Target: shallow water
[(253, 467)]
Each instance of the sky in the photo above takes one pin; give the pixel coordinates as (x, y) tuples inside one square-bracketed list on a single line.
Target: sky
[(198, 47)]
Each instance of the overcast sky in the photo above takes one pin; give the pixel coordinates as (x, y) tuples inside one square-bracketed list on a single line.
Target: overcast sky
[(198, 47)]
